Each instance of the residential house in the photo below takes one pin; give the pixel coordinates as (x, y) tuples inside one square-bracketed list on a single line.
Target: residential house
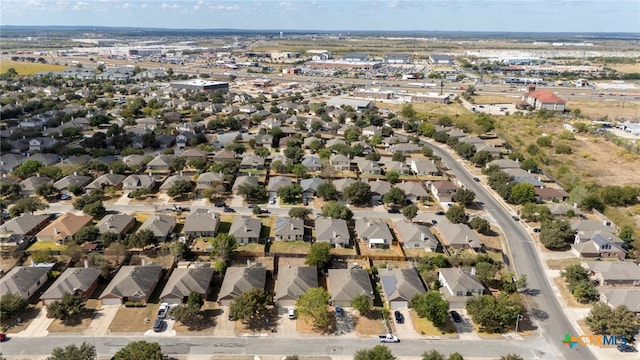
[(224, 155), (598, 244), (119, 224), (22, 228), (289, 229), (208, 181), (400, 167), (369, 167), (311, 163), (505, 164), (443, 191), (78, 281), (30, 185), (264, 140), (239, 280), (161, 164), (171, 180), (335, 141), (371, 131), (347, 284), (309, 140), (133, 159), (614, 297), (8, 162), (131, 284), (45, 158), (245, 229), (415, 236), (310, 186), (201, 223), (404, 148), (550, 194), (248, 180), (161, 226), (413, 190), (41, 143), (194, 154), (64, 227), (251, 161), (24, 281), (106, 180), (590, 225), (138, 182), (458, 285), (564, 209), (378, 189), (183, 281), (400, 286), (72, 180), (342, 184), (293, 282), (421, 166), (276, 183), (340, 162), (270, 123), (333, 231), (614, 273), (458, 236), (374, 232)]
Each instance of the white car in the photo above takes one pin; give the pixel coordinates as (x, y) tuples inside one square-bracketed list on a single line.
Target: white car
[(163, 310)]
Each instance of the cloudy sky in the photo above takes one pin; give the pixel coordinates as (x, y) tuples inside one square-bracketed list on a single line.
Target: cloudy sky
[(439, 15)]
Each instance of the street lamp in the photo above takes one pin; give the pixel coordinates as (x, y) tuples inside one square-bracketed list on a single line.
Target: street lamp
[(517, 322)]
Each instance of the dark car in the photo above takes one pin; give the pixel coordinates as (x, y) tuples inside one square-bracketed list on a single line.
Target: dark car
[(305, 201), (476, 179), (393, 211), (399, 317), (626, 348), (158, 325), (3, 337), (515, 218), (228, 210), (221, 204), (339, 311), (456, 317), (440, 213), (536, 230)]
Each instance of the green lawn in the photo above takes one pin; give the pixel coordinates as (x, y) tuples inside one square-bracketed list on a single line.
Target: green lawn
[(46, 245), (290, 247)]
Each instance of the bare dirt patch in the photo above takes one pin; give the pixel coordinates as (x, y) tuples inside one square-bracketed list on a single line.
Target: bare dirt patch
[(560, 264), (369, 324), (134, 319), (305, 325)]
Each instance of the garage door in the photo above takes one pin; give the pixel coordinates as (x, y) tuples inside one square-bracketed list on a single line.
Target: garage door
[(111, 301), (398, 305)]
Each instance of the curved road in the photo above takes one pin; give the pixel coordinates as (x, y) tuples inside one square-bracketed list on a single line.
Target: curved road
[(546, 307)]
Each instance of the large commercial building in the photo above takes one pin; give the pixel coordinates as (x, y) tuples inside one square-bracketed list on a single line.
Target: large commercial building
[(200, 85)]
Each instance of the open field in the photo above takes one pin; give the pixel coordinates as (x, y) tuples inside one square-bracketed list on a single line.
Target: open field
[(26, 68), (442, 109), (611, 109), (626, 68)]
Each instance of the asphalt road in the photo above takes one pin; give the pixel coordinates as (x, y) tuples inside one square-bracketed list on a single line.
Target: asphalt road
[(546, 307), (274, 345)]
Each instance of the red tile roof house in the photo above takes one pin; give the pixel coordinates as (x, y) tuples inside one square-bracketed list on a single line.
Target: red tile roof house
[(542, 99)]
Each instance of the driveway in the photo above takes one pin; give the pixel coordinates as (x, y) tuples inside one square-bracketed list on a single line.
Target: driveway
[(224, 327), (465, 328), (286, 326), (406, 329), (345, 324), (38, 326), (100, 324)]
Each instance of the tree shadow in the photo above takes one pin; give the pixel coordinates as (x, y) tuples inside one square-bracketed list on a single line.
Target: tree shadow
[(76, 319), (539, 314), (205, 319)]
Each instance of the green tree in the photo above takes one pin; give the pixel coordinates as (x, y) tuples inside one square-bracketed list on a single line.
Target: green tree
[(27, 169), (190, 311), (300, 212), (433, 306), (252, 193), (66, 308), (10, 191), (626, 234), (432, 355), (313, 304), (456, 214), (86, 234), (481, 158), (556, 234), (544, 141), (464, 196), (362, 303), (224, 247), (585, 291), (522, 193), (603, 320), (319, 255), (493, 314), (47, 191), (392, 176), (529, 165), (427, 129), (73, 352), (180, 188), (290, 193), (95, 209), (394, 196), (141, 238), (378, 352), (481, 225), (358, 193), (327, 191), (336, 210), (535, 212), (10, 306), (25, 205), (252, 304), (455, 356), (410, 212), (137, 350), (486, 271)]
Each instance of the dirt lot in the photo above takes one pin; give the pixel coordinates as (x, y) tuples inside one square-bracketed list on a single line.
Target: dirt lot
[(560, 264), (133, 319), (77, 324)]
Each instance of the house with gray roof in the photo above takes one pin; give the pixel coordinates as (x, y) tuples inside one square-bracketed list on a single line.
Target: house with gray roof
[(421, 166), (8, 162), (340, 162), (415, 236), (562, 209), (80, 280), (378, 189), (590, 225), (31, 184), (310, 186), (251, 161), (413, 190), (293, 282), (614, 297), (201, 223), (374, 232), (238, 280), (311, 163), (161, 226), (276, 183), (443, 191), (400, 167), (400, 286), (404, 148), (248, 180), (347, 284), (289, 229), (185, 280), (614, 273), (160, 164), (369, 167), (598, 244), (24, 281), (22, 227), (131, 283), (171, 180), (116, 223), (342, 184), (504, 164), (209, 180), (458, 236), (333, 231), (77, 180), (458, 285), (104, 181), (245, 229), (137, 182)]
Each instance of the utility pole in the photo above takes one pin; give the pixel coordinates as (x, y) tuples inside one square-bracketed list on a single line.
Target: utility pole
[(517, 322)]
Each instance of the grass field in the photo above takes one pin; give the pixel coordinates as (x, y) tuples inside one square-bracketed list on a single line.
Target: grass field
[(26, 68)]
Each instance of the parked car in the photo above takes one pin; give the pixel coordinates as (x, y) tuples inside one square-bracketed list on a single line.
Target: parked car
[(220, 204), (272, 201), (399, 317), (626, 348), (476, 179), (65, 196), (536, 230), (339, 311), (515, 218), (228, 210), (305, 201), (3, 337), (393, 211), (456, 317), (158, 325), (264, 211), (439, 212), (162, 311), (291, 313)]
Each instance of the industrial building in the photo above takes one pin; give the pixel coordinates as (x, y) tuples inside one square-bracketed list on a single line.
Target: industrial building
[(200, 85)]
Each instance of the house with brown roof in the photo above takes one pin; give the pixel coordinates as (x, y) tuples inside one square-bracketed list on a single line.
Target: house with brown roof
[(185, 280), (238, 280), (293, 282), (542, 99), (81, 281), (543, 194), (64, 227), (443, 191)]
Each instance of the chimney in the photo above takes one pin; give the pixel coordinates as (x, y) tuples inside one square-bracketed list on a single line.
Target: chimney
[(143, 261), (37, 174), (75, 173), (111, 172), (33, 263), (575, 205), (86, 263), (473, 270)]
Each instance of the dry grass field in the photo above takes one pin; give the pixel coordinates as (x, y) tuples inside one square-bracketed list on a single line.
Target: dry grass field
[(26, 68), (612, 109)]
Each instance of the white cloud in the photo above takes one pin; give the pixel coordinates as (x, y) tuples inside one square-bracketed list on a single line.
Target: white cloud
[(286, 5), (228, 7), (127, 6), (80, 5), (166, 6), (198, 5), (34, 4)]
